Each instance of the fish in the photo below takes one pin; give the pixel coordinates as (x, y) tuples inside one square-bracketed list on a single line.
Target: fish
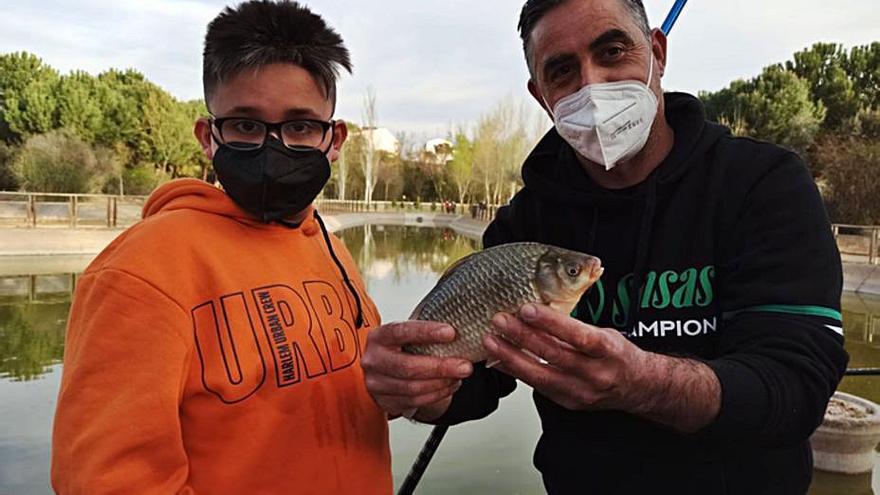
[(501, 279)]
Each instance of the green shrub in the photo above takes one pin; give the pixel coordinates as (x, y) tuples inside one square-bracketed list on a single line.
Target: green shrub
[(141, 181), (59, 162), (8, 182)]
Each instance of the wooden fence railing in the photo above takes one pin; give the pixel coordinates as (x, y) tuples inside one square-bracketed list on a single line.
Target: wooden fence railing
[(23, 209), (859, 243)]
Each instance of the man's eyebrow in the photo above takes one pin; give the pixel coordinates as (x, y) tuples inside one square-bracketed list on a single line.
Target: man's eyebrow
[(557, 61), (611, 36)]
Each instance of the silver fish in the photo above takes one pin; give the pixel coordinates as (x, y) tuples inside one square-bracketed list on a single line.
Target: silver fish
[(502, 279)]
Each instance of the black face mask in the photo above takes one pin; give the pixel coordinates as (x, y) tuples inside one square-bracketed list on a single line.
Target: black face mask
[(274, 182)]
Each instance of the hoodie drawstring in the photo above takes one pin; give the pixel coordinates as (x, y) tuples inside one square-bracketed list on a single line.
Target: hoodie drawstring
[(359, 319), (644, 243)]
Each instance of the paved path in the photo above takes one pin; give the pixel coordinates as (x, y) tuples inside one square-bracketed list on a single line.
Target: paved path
[(28, 246)]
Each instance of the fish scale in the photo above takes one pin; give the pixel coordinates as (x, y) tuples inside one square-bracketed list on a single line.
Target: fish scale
[(471, 292)]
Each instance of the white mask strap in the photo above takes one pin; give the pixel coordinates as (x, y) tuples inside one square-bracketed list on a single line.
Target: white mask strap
[(547, 106)]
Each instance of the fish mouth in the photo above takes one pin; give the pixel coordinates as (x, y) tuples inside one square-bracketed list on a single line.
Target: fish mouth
[(596, 269)]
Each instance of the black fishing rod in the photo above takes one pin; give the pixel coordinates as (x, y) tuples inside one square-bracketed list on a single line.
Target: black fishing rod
[(427, 453), (422, 461)]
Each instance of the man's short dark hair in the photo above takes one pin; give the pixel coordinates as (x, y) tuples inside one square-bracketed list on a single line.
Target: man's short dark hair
[(262, 32), (535, 10)]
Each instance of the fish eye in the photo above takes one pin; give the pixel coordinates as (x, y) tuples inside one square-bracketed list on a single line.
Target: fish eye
[(574, 270)]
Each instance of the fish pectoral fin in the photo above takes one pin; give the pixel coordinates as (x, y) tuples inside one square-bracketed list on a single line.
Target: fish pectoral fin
[(564, 308)]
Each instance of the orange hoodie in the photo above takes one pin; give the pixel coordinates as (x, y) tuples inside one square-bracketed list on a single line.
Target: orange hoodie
[(208, 353)]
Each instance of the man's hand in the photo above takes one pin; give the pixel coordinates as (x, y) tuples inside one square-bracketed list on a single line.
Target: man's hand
[(598, 368), (420, 387)]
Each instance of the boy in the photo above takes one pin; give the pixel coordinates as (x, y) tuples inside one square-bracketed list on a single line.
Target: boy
[(214, 347)]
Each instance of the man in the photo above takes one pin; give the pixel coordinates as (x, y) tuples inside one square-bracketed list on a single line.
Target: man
[(705, 358), (213, 348)]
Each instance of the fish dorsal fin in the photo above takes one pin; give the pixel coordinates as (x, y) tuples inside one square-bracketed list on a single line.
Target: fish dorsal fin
[(455, 266), (446, 274)]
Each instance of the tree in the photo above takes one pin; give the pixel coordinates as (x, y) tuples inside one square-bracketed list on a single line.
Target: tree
[(776, 106), (27, 96), (371, 156), (501, 144), (78, 108), (863, 67), (433, 163), (850, 167), (350, 150), (122, 95), (461, 169), (823, 67), (390, 174), (167, 141), (784, 112)]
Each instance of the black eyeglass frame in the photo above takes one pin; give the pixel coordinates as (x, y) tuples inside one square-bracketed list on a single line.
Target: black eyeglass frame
[(326, 125)]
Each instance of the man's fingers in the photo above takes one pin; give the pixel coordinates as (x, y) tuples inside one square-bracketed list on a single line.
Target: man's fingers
[(552, 383), (397, 364), (587, 339), (543, 345), (412, 332), (400, 404), (515, 363), (386, 385)]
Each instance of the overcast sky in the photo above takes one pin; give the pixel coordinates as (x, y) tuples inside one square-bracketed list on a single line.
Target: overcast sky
[(433, 63)]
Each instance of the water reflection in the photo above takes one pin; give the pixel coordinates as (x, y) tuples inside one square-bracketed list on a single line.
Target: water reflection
[(400, 265), (383, 251), (861, 321), (31, 339), (33, 312)]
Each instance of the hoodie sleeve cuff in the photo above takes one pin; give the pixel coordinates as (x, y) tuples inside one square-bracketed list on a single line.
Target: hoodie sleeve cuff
[(744, 402), (478, 396)]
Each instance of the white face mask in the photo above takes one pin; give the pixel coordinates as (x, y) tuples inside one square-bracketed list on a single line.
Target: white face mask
[(608, 122)]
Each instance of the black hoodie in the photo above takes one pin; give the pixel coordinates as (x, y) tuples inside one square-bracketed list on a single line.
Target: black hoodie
[(730, 246)]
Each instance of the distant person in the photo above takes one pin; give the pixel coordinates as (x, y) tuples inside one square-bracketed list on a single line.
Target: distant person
[(214, 347), (704, 358)]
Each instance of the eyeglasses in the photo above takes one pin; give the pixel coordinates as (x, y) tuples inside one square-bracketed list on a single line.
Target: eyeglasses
[(250, 134)]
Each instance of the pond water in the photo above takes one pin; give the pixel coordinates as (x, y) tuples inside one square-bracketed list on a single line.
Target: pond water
[(400, 265)]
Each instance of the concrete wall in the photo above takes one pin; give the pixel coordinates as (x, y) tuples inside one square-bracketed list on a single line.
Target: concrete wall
[(24, 242)]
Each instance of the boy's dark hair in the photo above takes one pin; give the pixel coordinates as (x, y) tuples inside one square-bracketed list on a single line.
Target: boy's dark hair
[(262, 32), (535, 10)]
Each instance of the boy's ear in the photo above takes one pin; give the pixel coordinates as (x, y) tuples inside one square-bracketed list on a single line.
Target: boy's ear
[(202, 132), (340, 134)]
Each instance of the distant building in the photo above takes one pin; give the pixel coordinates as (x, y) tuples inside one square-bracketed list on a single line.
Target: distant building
[(440, 149), (383, 140)]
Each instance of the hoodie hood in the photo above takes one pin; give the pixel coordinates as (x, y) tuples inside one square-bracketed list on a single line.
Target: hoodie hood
[(197, 195), (553, 172)]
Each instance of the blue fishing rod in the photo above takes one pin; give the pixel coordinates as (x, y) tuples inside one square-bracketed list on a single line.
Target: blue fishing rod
[(427, 453), (673, 16)]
